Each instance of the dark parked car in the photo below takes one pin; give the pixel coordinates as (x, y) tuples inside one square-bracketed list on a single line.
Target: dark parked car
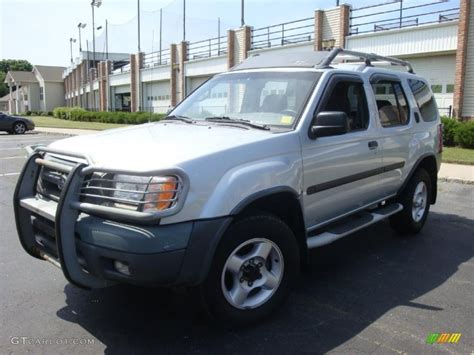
[(14, 124)]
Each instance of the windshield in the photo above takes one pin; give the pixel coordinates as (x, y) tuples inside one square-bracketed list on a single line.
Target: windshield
[(271, 98)]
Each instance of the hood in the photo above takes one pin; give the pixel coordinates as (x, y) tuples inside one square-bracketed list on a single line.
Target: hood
[(157, 145)]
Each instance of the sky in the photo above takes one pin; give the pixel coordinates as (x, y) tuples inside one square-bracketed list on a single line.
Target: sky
[(40, 30)]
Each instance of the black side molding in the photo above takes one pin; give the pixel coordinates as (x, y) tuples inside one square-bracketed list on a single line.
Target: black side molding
[(351, 178)]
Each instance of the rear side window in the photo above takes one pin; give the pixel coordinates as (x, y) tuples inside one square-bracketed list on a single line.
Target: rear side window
[(391, 103), (424, 99)]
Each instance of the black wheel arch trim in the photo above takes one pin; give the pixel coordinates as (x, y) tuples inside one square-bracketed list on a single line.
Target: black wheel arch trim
[(434, 187), (260, 194)]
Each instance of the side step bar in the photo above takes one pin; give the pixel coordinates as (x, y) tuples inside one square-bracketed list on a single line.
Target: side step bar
[(352, 224)]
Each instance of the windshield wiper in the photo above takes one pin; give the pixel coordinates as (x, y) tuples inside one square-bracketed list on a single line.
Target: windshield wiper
[(241, 121), (179, 118)]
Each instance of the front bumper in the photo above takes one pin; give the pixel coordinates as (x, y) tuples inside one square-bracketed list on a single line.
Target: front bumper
[(86, 246)]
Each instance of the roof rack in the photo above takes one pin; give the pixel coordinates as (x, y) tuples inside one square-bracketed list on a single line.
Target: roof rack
[(367, 57)]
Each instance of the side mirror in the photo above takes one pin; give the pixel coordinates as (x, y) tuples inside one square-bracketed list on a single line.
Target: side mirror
[(330, 123)]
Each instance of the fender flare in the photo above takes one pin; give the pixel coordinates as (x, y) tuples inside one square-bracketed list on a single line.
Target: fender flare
[(434, 188)]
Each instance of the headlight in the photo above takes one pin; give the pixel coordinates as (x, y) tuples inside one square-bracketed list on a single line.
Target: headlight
[(135, 193)]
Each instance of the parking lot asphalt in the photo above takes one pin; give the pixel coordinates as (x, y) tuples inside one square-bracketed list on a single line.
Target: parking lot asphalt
[(372, 293)]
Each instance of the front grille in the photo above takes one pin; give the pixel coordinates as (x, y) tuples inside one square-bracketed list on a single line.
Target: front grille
[(44, 233), (51, 181)]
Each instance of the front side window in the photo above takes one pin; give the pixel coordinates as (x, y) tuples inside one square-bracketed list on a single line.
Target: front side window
[(424, 99), (349, 97), (392, 104), (264, 97)]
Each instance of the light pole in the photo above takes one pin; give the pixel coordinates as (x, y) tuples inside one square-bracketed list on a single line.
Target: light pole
[(94, 3), (184, 20), (138, 17), (71, 41), (106, 40), (242, 13), (80, 26)]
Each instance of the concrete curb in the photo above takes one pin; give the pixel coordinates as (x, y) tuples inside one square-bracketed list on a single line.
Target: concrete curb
[(456, 180), (68, 131)]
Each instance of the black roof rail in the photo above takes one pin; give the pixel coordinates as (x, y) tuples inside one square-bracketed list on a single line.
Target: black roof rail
[(367, 57)]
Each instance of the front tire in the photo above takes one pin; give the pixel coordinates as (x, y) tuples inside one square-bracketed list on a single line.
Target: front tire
[(19, 128), (253, 269), (416, 204)]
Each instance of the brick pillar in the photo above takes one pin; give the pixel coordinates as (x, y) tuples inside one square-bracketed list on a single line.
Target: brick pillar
[(318, 30), (174, 66), (182, 57), (242, 43), (230, 48), (344, 24), (136, 63), (461, 56), (101, 78), (92, 100)]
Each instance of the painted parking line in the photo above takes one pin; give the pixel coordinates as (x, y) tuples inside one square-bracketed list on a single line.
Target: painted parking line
[(9, 174), (15, 157)]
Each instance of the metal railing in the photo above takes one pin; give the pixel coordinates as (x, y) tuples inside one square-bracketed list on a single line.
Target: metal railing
[(212, 47), (446, 111), (121, 66), (298, 31), (155, 59), (385, 16)]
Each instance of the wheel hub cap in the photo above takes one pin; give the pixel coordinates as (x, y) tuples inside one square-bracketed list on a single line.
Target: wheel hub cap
[(420, 198), (252, 273)]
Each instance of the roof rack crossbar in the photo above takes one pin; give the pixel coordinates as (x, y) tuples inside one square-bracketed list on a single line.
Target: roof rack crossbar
[(367, 57)]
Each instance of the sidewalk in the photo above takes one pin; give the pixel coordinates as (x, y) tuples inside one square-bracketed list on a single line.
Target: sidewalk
[(457, 173), (68, 131)]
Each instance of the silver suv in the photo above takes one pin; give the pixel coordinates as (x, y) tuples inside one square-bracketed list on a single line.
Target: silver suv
[(229, 192)]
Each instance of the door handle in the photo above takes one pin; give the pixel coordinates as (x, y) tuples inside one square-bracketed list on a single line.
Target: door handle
[(373, 145)]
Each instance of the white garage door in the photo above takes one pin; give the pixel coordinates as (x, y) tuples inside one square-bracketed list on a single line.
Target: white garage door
[(195, 82), (439, 71), (157, 97)]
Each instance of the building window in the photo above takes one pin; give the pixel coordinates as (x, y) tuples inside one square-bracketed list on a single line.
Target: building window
[(437, 89), (449, 88), (25, 97), (41, 93)]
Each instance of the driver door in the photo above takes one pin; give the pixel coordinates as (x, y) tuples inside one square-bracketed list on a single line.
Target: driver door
[(341, 172)]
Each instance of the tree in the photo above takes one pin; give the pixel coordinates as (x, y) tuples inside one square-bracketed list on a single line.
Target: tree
[(11, 64)]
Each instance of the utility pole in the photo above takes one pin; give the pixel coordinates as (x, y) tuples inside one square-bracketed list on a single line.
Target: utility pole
[(184, 20), (71, 41), (106, 39), (93, 36), (161, 30), (218, 36), (138, 11), (80, 26), (94, 3), (401, 13)]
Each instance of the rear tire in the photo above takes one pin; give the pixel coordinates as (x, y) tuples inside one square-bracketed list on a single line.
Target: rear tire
[(415, 199), (19, 128), (252, 272)]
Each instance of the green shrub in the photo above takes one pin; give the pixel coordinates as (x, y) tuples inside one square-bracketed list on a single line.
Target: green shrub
[(80, 114), (449, 127), (464, 135)]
